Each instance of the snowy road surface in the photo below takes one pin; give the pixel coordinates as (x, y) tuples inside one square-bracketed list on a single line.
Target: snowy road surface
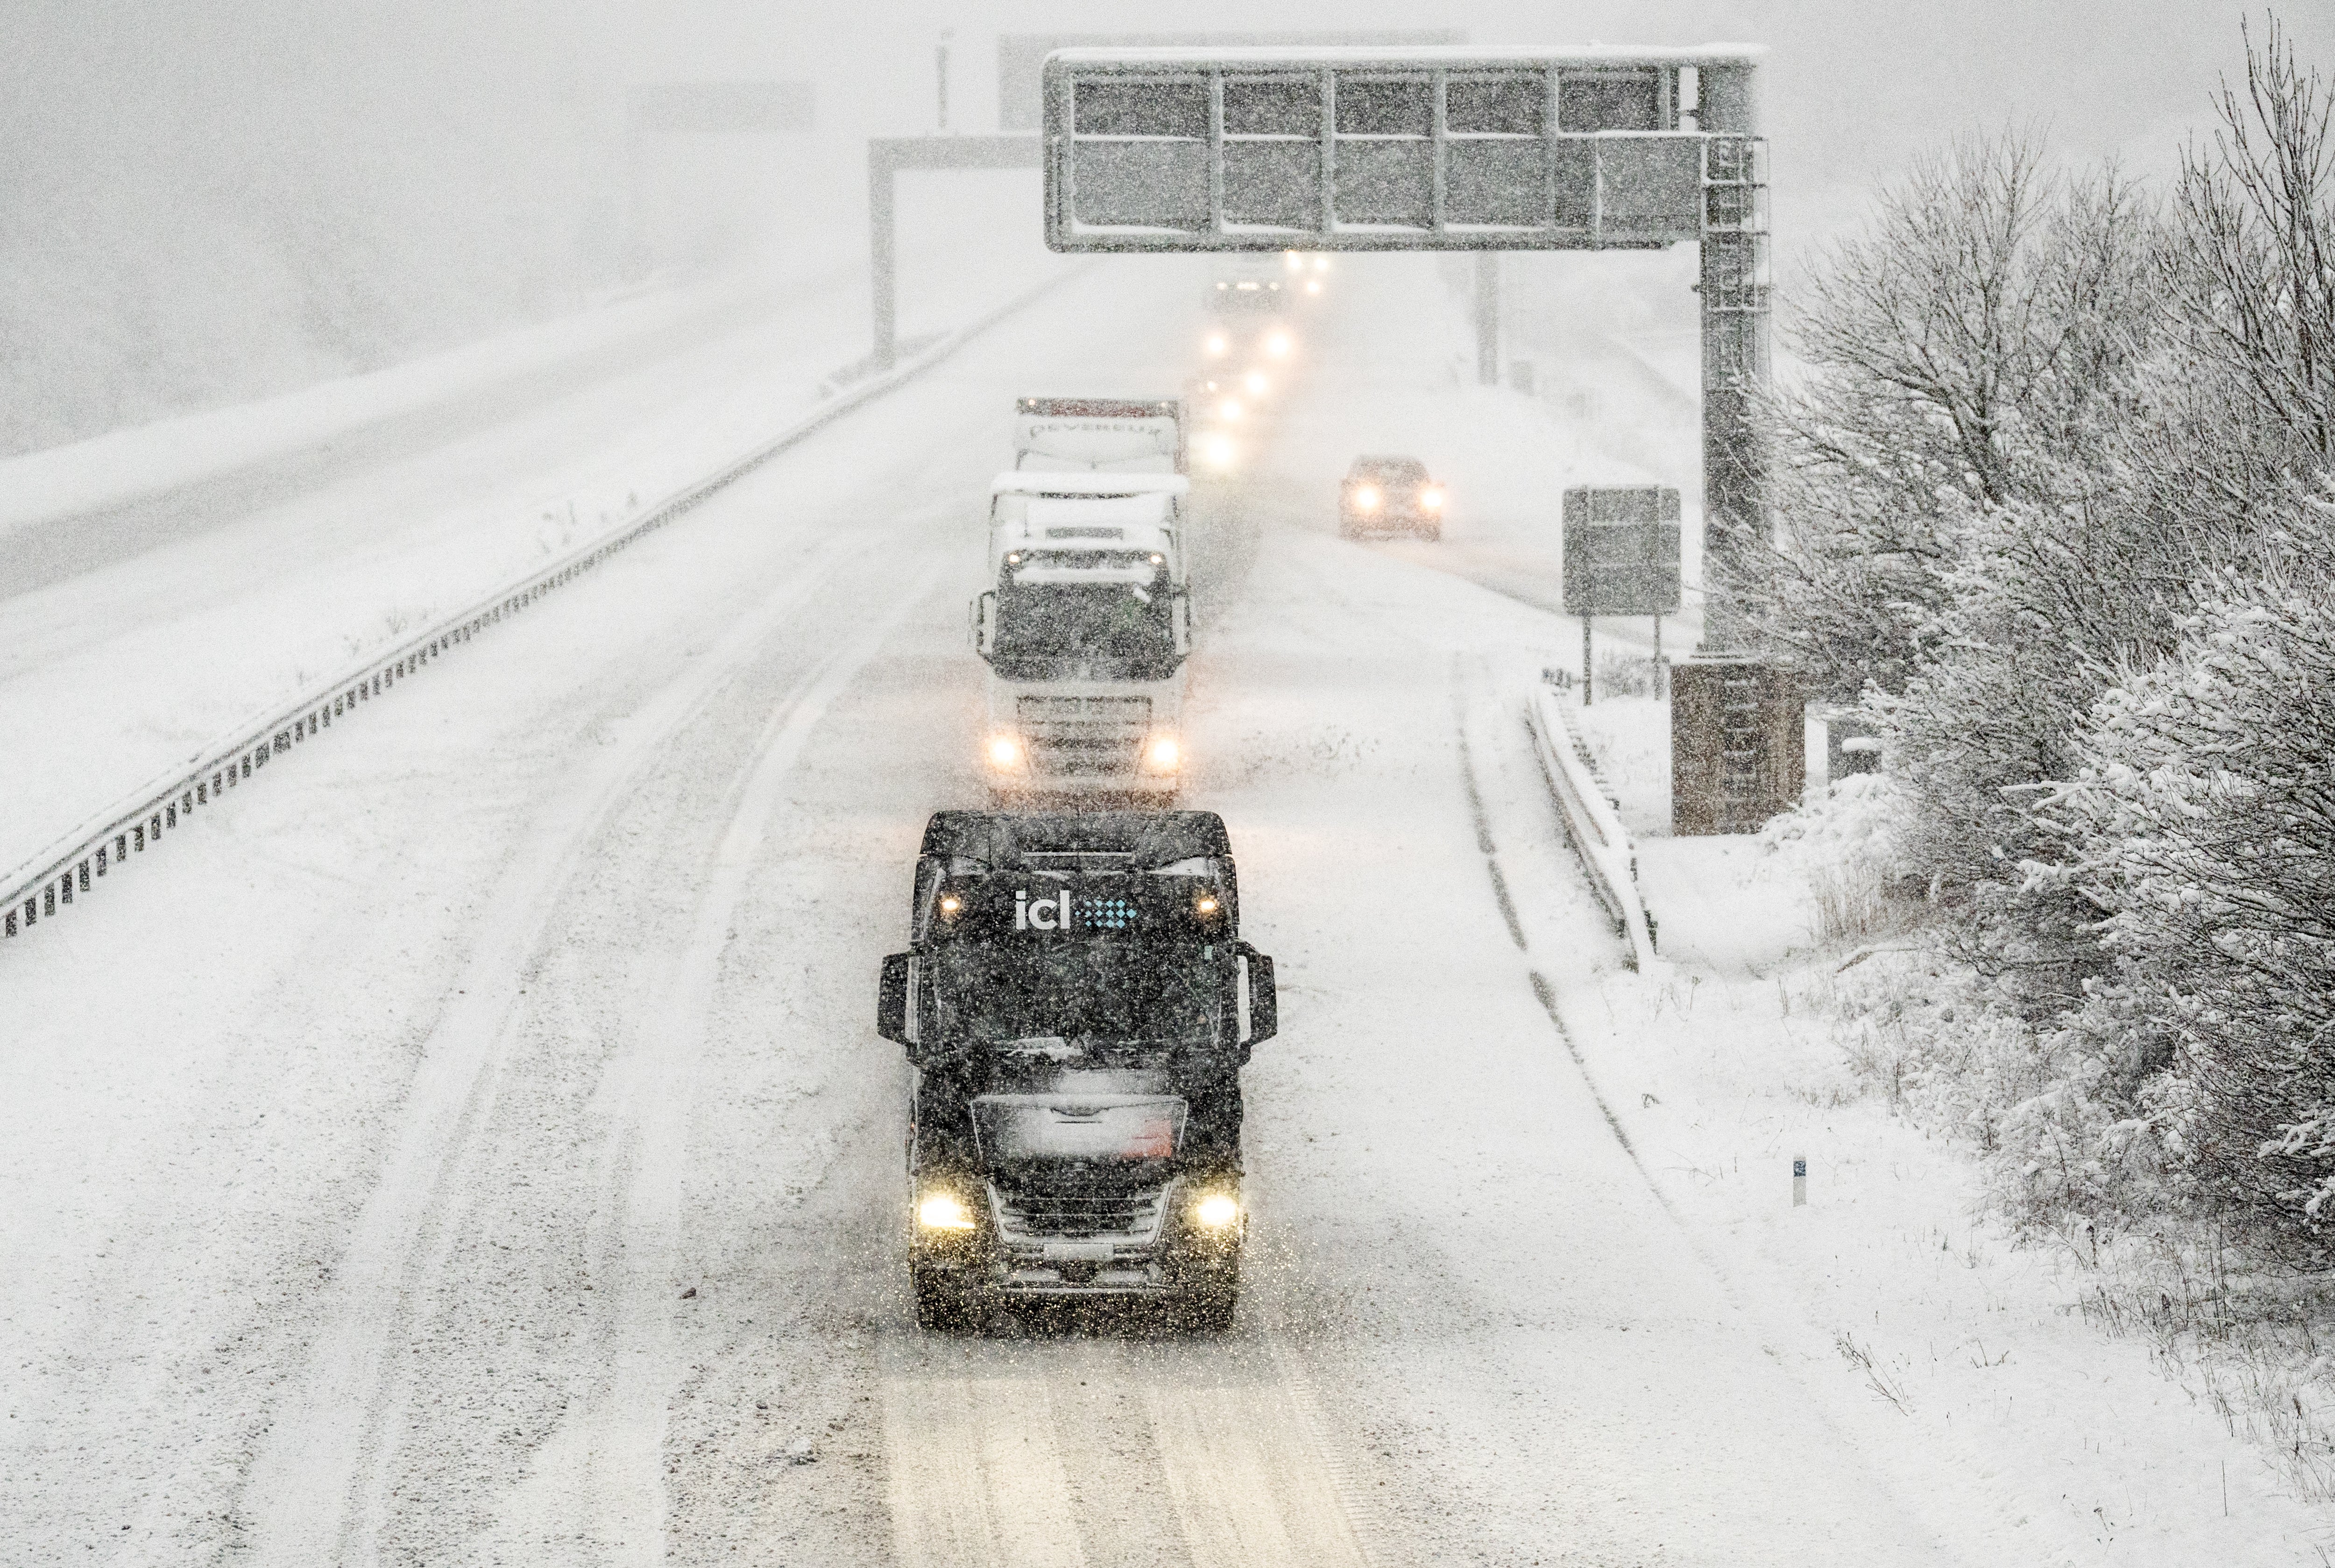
[(474, 1146)]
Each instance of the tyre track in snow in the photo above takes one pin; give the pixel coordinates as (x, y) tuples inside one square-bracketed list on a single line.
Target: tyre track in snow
[(318, 1490), (611, 1474), (1093, 1443)]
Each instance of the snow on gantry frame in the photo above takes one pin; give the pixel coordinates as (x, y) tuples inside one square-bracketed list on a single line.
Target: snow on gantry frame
[(1458, 148)]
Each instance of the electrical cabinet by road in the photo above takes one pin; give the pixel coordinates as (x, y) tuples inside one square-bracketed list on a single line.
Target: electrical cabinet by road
[(1453, 149)]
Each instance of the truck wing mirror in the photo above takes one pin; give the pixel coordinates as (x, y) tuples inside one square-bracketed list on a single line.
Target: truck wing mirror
[(1264, 1001), (984, 623), (892, 1000), (1180, 610)]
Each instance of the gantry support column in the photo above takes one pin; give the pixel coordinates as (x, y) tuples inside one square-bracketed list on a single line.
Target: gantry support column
[(1734, 290), (886, 156)]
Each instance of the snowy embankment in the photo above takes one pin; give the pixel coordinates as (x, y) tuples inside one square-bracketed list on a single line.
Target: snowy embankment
[(1969, 1367), (1974, 1361), (54, 487), (116, 675)]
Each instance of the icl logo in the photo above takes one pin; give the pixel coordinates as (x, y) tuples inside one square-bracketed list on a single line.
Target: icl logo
[(1052, 912), (1046, 914)]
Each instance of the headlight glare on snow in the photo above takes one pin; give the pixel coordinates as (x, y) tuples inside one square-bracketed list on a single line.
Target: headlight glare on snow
[(943, 1212), (1221, 451), (1004, 751), (1216, 1210)]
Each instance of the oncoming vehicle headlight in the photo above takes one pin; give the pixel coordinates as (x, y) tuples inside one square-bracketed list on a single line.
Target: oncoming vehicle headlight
[(943, 1212), (1312, 285), (1431, 498), (1278, 344), (1291, 260), (1218, 342), (1366, 497), (1004, 751), (1216, 1210), (1254, 383), (1163, 753), (1221, 452), (1229, 409)]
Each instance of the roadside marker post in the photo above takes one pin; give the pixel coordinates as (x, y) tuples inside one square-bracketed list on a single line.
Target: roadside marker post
[(1799, 1183)]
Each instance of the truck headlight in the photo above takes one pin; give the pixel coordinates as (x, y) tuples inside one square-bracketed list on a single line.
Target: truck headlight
[(1279, 345), (1163, 753), (1366, 497), (943, 1212), (1004, 751), (1216, 342), (1431, 498), (1216, 1210)]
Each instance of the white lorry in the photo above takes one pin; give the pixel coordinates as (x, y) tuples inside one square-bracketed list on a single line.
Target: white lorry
[(1085, 633)]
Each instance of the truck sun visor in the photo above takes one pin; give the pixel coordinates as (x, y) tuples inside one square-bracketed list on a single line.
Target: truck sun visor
[(1011, 1128)]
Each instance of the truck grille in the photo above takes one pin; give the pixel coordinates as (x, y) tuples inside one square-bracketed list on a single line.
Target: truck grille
[(1032, 1219), (1088, 735)]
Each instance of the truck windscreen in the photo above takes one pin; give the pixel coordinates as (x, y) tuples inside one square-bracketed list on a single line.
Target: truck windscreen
[(1108, 988), (1083, 630)]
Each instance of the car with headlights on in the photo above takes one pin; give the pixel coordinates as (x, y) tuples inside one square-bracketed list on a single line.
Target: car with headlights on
[(1389, 495)]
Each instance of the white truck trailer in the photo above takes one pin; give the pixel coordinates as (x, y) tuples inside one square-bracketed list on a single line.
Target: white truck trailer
[(1085, 634), (1098, 435)]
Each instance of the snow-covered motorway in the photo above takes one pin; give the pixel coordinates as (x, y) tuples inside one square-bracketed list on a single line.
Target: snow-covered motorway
[(474, 1146)]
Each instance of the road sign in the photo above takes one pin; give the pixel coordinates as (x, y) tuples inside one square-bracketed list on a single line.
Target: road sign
[(1460, 148), (1622, 551), (1021, 56)]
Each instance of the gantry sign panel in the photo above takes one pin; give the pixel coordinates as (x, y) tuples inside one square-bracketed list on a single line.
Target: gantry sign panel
[(1449, 148)]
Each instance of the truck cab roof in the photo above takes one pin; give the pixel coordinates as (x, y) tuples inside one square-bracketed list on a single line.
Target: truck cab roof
[(1087, 482), (1080, 840)]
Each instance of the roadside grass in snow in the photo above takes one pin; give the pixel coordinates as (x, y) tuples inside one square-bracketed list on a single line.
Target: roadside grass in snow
[(2256, 1349), (1922, 1032)]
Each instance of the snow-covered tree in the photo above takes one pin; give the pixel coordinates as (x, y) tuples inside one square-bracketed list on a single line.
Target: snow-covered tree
[(2206, 811)]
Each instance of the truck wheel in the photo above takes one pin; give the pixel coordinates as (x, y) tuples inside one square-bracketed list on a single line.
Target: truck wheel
[(1432, 533), (942, 1308)]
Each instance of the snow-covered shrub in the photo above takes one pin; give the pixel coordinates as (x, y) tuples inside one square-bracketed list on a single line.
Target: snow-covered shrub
[(2206, 811), (1844, 841)]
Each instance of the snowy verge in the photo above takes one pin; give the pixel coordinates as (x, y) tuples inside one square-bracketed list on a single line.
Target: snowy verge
[(53, 877), (149, 459), (1592, 823), (1967, 1360)]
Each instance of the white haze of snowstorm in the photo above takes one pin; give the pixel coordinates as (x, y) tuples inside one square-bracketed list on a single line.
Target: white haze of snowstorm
[(223, 199)]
